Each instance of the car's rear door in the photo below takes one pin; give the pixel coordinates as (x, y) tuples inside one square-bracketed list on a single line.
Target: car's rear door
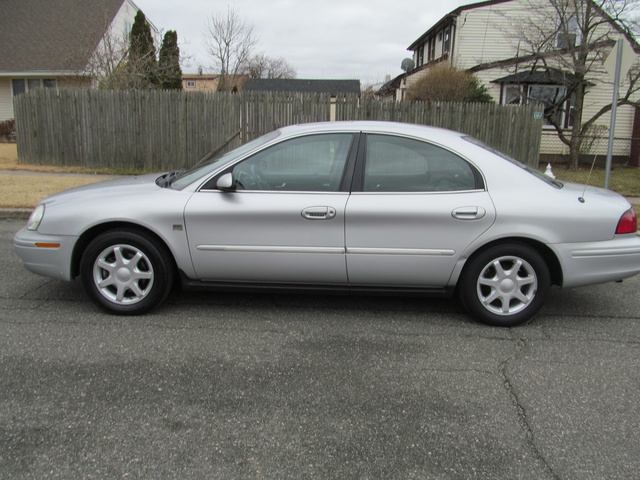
[(417, 209), (284, 223)]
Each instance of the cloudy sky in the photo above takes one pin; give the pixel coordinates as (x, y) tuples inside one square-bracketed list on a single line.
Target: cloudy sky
[(342, 39)]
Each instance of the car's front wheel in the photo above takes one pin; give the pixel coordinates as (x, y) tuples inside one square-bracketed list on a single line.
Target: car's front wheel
[(126, 272), (505, 285)]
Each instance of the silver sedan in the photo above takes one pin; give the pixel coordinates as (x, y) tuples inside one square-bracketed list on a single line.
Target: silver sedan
[(369, 207)]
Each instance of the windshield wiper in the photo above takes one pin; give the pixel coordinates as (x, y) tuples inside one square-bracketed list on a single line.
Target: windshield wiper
[(168, 178)]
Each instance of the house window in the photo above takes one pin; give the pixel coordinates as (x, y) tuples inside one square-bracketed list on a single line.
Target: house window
[(446, 44), (568, 32), (432, 49), (512, 95), (191, 84), (550, 97), (21, 85), (420, 55)]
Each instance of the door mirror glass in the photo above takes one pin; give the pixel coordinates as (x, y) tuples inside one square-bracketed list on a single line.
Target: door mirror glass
[(226, 183)]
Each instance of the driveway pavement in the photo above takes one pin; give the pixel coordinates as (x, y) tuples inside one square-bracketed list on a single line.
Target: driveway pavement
[(290, 387)]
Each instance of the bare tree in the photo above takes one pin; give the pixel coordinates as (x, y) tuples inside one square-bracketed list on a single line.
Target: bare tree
[(263, 66), (567, 41), (107, 64), (112, 65), (229, 40)]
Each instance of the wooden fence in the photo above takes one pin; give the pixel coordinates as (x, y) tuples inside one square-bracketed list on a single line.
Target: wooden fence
[(162, 130)]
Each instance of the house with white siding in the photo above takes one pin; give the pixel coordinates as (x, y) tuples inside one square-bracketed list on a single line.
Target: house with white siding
[(48, 44), (482, 38)]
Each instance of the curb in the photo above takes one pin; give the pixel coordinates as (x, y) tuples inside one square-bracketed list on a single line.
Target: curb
[(15, 213)]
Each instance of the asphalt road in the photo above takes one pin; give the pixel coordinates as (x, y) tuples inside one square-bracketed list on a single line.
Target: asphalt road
[(314, 387)]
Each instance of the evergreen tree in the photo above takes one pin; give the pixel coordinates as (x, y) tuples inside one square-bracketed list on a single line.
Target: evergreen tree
[(169, 69), (142, 54)]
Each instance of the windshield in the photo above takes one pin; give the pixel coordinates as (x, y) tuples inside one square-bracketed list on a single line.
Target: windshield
[(524, 166), (186, 177)]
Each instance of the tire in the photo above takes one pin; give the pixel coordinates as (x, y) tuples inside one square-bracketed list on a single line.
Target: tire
[(505, 285), (126, 272)]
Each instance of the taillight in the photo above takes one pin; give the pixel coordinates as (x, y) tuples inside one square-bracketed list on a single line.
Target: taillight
[(628, 222)]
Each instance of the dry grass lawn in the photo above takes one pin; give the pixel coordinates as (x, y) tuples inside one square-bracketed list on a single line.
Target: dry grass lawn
[(24, 190), (9, 161)]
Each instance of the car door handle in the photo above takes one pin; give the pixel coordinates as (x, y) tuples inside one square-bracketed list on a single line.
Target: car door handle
[(469, 213), (319, 213)]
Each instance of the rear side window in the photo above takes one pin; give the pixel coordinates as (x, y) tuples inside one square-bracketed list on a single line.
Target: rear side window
[(396, 164)]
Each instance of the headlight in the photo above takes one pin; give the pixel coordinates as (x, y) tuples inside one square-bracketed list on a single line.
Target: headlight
[(36, 217)]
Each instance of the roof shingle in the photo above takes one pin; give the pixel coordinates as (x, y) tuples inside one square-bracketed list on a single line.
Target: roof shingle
[(332, 87), (52, 35)]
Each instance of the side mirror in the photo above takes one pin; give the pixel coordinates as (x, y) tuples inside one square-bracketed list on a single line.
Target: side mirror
[(226, 183)]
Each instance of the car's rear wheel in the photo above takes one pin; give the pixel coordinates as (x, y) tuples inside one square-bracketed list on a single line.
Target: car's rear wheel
[(126, 272), (505, 285)]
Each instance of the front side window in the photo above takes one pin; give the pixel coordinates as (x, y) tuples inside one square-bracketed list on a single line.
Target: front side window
[(397, 164), (314, 164)]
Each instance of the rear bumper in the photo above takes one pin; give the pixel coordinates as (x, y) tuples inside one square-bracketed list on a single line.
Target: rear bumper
[(46, 255), (599, 262)]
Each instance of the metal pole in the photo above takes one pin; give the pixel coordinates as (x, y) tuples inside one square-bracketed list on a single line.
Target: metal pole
[(614, 110)]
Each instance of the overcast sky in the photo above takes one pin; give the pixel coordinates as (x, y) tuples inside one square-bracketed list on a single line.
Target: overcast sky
[(340, 39)]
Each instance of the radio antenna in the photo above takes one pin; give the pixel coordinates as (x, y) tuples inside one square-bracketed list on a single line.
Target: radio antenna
[(581, 197), (595, 140)]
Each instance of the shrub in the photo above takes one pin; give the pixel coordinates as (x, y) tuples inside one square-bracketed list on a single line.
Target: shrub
[(443, 83), (8, 130)]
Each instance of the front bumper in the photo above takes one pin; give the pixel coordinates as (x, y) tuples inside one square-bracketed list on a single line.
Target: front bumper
[(590, 263), (46, 255)]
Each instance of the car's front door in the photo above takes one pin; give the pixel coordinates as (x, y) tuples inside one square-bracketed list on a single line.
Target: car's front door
[(418, 208), (284, 223)]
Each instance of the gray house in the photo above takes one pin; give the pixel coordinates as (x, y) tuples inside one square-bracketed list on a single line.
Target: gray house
[(48, 44)]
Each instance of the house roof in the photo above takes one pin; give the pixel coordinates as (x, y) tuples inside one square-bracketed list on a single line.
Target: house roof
[(448, 18), (391, 86), (52, 35), (541, 77), (332, 87), (200, 76)]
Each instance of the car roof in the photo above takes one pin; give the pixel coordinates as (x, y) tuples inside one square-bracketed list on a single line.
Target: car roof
[(422, 131)]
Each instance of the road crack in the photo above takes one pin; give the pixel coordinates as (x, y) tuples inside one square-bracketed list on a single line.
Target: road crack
[(530, 440)]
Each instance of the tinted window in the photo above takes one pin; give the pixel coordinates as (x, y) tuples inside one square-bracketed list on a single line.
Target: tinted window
[(312, 163), (395, 164), (532, 171)]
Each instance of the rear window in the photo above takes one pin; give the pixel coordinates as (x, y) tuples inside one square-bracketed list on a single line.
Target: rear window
[(524, 166)]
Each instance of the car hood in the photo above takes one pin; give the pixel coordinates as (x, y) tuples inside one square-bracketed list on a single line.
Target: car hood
[(120, 187)]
